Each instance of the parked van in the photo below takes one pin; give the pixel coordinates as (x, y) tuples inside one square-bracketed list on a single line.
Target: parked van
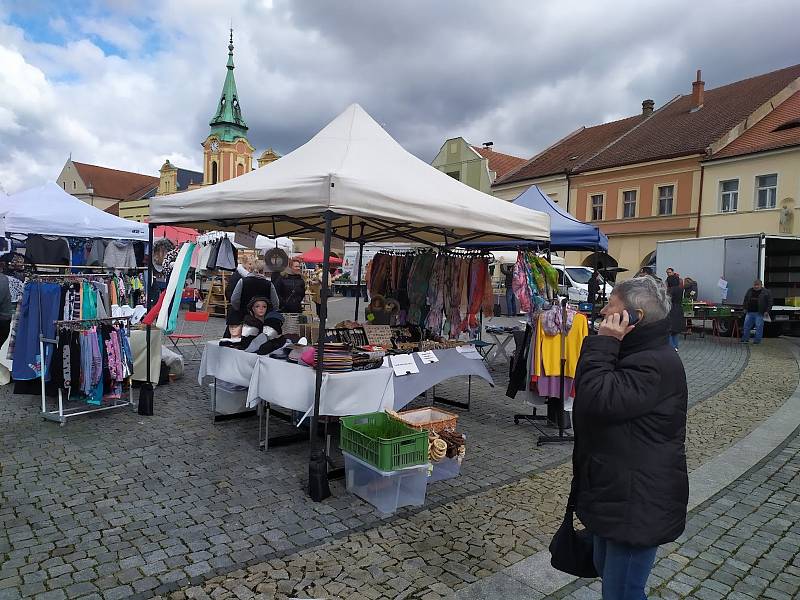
[(573, 281)]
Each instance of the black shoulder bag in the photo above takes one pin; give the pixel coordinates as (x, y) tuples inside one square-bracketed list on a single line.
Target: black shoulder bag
[(572, 551)]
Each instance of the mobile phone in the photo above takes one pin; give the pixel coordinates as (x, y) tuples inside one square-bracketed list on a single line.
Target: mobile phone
[(633, 317)]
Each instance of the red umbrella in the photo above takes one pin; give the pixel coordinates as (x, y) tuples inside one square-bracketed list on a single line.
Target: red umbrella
[(315, 256)]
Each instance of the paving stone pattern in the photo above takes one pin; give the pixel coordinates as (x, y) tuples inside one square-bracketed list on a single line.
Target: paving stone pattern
[(120, 505), (742, 543), (426, 554)]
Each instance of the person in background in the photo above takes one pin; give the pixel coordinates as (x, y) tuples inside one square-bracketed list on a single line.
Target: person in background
[(6, 308), (315, 288), (689, 288), (235, 316), (676, 321), (511, 299), (291, 288), (594, 287), (629, 419), (254, 285), (757, 303)]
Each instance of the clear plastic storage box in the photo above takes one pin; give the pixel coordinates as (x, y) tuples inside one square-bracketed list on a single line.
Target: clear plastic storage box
[(386, 490), (447, 468)]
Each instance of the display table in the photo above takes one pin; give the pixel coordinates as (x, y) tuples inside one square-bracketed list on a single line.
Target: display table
[(273, 382), (290, 385)]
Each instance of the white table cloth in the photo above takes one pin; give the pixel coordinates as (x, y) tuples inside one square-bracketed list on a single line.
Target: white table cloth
[(281, 383), (227, 364)]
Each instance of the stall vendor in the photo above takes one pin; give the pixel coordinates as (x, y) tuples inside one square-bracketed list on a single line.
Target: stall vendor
[(254, 285), (291, 288)]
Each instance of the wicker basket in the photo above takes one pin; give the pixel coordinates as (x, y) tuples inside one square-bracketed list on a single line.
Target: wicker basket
[(432, 419)]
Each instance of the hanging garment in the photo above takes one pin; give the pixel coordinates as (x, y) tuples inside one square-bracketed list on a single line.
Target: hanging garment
[(119, 255), (95, 254), (172, 323), (88, 301), (172, 286), (47, 250), (547, 359), (150, 317), (41, 303), (518, 367)]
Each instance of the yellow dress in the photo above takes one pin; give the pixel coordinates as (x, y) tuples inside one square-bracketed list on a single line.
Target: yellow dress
[(547, 348)]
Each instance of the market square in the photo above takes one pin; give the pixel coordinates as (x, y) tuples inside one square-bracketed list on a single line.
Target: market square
[(350, 354)]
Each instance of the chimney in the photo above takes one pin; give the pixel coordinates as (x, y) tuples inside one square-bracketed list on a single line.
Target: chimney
[(647, 107), (698, 92), (488, 145)]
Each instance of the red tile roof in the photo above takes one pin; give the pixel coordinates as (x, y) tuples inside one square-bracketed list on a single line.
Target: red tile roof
[(498, 162), (111, 183), (779, 129), (563, 156), (675, 130)]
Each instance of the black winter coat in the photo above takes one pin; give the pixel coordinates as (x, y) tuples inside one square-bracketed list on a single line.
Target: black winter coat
[(291, 290), (677, 322), (629, 419)]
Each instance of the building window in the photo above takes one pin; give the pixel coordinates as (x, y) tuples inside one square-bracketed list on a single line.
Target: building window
[(64, 185), (455, 175), (629, 204), (213, 171), (666, 196), (766, 191), (74, 185), (597, 207), (729, 195)]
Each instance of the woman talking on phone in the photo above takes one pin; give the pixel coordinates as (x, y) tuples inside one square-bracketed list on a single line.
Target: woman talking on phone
[(629, 419)]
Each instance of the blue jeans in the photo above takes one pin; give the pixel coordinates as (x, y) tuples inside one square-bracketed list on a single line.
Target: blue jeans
[(624, 569), (511, 302), (673, 340), (751, 319)]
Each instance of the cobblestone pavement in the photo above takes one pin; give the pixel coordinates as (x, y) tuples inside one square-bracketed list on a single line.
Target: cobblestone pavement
[(742, 543), (116, 505), (430, 553)]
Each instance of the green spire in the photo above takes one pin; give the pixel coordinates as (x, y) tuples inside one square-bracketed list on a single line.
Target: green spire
[(228, 123)]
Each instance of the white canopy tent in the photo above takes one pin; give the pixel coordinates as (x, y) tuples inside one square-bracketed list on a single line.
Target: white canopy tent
[(374, 190), (49, 210), (354, 182)]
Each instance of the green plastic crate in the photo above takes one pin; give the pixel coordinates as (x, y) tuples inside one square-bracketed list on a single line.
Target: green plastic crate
[(383, 442)]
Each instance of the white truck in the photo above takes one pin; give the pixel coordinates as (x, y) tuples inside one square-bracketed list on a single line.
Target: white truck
[(726, 266)]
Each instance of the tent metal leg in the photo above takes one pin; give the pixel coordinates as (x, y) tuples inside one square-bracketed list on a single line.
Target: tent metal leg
[(318, 487), (358, 281)]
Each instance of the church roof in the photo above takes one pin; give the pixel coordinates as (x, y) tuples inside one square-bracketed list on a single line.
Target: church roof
[(228, 123), (115, 184)]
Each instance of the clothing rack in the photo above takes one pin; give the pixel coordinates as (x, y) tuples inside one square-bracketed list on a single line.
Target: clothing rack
[(62, 414)]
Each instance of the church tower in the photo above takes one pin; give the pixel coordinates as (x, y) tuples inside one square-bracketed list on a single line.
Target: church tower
[(227, 152)]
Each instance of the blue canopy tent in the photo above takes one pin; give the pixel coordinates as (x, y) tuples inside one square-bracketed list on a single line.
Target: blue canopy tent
[(566, 231)]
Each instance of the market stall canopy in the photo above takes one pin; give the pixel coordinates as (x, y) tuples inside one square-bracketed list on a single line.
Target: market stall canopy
[(49, 210), (377, 191), (316, 256), (566, 231), (177, 235)]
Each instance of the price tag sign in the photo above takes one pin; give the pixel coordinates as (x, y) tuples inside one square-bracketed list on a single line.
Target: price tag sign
[(245, 238)]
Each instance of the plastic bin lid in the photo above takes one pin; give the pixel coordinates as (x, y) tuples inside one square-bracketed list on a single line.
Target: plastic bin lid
[(384, 473)]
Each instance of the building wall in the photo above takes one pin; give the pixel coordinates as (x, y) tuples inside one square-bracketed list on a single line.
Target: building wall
[(632, 239), (555, 187), (458, 159), (135, 210), (747, 219)]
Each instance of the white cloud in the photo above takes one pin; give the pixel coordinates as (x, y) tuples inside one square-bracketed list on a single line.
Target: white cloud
[(520, 74)]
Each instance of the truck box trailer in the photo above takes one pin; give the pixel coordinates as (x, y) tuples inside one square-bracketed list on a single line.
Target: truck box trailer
[(739, 260)]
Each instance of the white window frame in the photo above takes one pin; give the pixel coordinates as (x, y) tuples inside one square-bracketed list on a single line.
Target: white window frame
[(732, 196), (602, 206), (671, 199), (625, 204), (759, 188)]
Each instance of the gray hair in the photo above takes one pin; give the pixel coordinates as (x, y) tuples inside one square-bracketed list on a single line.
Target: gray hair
[(645, 294)]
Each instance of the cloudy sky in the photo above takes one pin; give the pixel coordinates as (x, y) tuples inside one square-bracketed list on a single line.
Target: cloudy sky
[(128, 83)]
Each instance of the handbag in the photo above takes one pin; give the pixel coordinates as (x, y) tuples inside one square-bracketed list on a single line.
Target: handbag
[(572, 551)]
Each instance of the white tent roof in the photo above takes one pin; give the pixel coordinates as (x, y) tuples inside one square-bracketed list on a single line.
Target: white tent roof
[(49, 210), (355, 170)]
